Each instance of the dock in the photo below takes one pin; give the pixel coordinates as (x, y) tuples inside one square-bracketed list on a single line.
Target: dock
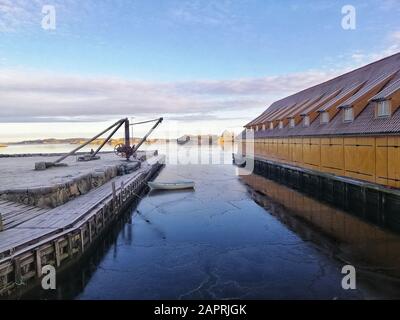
[(59, 233)]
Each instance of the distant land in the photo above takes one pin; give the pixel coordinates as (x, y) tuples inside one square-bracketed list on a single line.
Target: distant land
[(84, 140), (113, 142), (203, 139)]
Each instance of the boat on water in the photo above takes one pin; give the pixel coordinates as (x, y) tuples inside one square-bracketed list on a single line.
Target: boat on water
[(239, 160), (172, 185), (3, 146), (183, 140)]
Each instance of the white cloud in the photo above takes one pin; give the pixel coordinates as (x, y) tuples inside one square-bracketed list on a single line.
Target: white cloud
[(204, 12), (25, 15), (36, 94), (391, 46)]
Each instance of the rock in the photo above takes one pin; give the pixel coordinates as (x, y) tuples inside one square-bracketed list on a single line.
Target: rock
[(40, 166)]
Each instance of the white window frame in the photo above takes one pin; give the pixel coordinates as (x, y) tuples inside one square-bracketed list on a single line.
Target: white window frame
[(348, 114), (383, 109), (292, 123), (324, 117), (306, 121)]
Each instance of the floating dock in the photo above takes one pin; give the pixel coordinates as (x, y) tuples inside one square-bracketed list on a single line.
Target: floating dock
[(56, 224)]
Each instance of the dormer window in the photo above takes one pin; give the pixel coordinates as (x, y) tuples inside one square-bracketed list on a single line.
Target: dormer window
[(292, 123), (280, 124), (306, 121), (324, 117), (383, 109), (271, 125), (348, 115)]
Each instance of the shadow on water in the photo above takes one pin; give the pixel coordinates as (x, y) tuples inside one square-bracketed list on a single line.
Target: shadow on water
[(72, 282), (358, 239)]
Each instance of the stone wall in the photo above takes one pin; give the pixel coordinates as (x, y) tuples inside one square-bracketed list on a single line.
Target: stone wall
[(56, 195)]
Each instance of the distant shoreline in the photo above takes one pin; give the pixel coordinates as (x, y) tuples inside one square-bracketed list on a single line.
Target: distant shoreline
[(112, 142), (52, 141)]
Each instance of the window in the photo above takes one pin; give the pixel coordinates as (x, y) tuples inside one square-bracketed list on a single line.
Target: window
[(256, 128), (281, 124), (292, 123), (306, 121), (348, 114), (263, 126), (324, 117), (384, 109), (271, 125)]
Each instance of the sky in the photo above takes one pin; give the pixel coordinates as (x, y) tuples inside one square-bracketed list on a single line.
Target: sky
[(205, 65)]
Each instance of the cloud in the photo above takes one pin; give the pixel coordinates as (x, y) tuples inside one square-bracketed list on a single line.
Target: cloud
[(202, 12), (17, 14), (391, 46), (26, 15), (37, 94)]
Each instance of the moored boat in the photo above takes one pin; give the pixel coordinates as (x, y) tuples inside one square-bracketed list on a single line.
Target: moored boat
[(173, 185), (239, 160)]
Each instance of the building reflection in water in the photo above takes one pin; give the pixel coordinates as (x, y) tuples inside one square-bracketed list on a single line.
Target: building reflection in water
[(351, 239)]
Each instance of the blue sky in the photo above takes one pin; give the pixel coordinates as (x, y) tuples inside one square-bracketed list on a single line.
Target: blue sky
[(207, 63)]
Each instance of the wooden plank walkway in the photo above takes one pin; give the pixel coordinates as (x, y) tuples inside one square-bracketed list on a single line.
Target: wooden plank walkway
[(61, 218), (14, 214)]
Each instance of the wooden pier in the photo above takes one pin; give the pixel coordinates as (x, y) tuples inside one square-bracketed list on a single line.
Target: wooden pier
[(13, 214), (33, 237)]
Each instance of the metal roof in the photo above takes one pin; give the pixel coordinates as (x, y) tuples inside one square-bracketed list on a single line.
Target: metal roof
[(389, 91), (333, 103), (369, 86), (355, 86), (320, 103)]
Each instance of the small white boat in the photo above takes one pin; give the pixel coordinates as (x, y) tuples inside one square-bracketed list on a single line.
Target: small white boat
[(239, 160), (173, 185)]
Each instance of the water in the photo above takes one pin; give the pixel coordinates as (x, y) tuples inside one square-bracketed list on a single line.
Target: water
[(233, 238)]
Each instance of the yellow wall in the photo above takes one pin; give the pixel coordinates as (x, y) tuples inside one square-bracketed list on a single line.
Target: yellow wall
[(373, 159)]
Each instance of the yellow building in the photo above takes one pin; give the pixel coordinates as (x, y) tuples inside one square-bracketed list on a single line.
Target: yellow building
[(347, 126)]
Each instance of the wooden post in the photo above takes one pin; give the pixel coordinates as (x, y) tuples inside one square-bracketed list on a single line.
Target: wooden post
[(82, 241), (114, 192), (70, 247), (17, 272), (38, 259), (122, 190), (90, 231), (57, 253)]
